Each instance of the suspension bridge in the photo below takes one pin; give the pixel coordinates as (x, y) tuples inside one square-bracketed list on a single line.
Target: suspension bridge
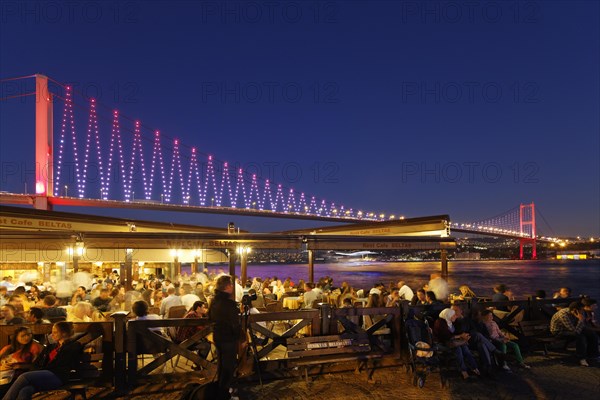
[(102, 158)]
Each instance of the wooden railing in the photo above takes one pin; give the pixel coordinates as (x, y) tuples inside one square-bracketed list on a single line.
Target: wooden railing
[(123, 341), (6, 331)]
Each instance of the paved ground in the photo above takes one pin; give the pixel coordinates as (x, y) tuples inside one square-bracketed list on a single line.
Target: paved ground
[(558, 377)]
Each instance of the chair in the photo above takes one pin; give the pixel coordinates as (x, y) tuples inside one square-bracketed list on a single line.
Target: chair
[(176, 312), (154, 310)]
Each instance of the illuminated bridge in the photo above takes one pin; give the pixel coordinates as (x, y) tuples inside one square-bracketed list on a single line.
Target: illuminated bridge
[(95, 157)]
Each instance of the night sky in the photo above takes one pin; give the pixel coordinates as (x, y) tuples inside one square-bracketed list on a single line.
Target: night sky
[(411, 108)]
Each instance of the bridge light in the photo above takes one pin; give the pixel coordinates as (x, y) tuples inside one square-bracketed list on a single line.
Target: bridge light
[(40, 188)]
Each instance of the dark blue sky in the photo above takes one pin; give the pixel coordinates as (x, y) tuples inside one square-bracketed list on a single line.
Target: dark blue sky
[(413, 108)]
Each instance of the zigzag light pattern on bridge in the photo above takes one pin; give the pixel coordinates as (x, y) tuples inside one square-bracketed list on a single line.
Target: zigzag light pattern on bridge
[(208, 187)]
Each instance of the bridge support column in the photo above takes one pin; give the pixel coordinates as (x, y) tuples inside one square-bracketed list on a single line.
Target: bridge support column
[(43, 144), (311, 266), (522, 242), (444, 261)]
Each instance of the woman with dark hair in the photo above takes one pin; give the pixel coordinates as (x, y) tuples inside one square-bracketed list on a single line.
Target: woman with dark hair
[(18, 356), (54, 365), (224, 313), (198, 310)]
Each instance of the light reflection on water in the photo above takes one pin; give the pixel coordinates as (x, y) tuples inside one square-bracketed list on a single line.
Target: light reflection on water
[(522, 277)]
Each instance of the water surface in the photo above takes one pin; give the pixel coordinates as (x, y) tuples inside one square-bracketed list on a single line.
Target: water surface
[(523, 277)]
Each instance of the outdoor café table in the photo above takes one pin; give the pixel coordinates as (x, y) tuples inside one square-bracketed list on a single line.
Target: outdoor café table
[(292, 303)]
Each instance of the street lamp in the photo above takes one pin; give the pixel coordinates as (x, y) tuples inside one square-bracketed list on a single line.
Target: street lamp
[(66, 190)]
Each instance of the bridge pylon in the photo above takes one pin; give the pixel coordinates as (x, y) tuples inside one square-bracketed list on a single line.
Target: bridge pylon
[(43, 144), (527, 227)]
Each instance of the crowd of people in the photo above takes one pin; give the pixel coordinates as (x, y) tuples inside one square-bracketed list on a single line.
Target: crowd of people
[(217, 296)]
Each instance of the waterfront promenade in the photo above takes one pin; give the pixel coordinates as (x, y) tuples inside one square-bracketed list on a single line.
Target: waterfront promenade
[(552, 378)]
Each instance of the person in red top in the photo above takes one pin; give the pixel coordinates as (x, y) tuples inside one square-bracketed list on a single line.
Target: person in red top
[(444, 333), (54, 364), (18, 356), (198, 310)]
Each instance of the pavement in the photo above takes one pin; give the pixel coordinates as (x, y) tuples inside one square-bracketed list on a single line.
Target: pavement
[(553, 378)]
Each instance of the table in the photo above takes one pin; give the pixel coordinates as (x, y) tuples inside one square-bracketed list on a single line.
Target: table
[(292, 303)]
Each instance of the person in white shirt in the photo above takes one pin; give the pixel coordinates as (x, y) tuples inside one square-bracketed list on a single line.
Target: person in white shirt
[(405, 292), (310, 295), (188, 299), (171, 300), (439, 286)]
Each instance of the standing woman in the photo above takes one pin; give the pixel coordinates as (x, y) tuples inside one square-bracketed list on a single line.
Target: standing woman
[(224, 313), (56, 363)]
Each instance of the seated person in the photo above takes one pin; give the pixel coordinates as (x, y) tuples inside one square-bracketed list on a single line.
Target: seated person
[(541, 311), (36, 316), (444, 333), (81, 312), (18, 356), (500, 295), (310, 296), (79, 295), (102, 302), (420, 298), (51, 310), (570, 323), (563, 293), (7, 314), (466, 293), (198, 310), (393, 299), (501, 341), (479, 338), (589, 313), (54, 365)]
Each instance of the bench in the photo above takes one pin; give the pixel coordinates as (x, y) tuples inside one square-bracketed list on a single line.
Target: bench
[(538, 332), (321, 350), (89, 369)]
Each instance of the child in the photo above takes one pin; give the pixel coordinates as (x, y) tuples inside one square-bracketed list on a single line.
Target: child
[(500, 340)]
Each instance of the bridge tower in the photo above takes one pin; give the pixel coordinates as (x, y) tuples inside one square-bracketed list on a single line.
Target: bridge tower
[(527, 226), (43, 144)]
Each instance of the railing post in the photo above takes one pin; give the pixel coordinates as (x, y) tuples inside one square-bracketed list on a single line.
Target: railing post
[(120, 350), (325, 314)]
